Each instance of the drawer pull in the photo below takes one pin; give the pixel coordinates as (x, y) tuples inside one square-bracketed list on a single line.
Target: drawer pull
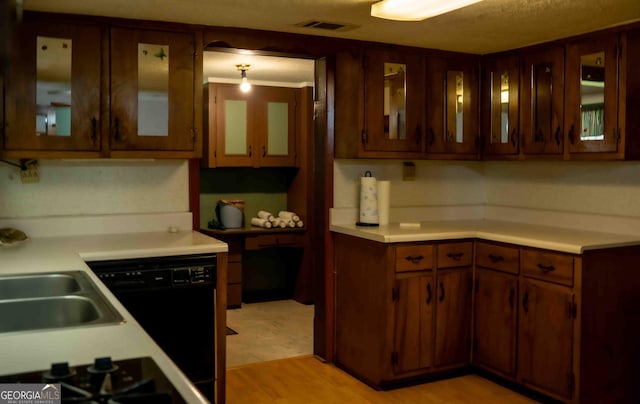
[(429, 293), (525, 302), (546, 268), (512, 294), (496, 258), (441, 291), (455, 256), (414, 259)]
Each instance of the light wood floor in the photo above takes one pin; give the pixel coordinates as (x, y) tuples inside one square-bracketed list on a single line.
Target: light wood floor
[(306, 379)]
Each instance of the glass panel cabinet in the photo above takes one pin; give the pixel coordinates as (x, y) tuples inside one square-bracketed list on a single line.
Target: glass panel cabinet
[(253, 129), (452, 107), (591, 104), (542, 101), (394, 88), (152, 93), (500, 91), (52, 89)]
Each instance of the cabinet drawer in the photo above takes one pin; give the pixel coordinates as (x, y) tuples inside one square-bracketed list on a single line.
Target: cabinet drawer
[(416, 257), (500, 257), (273, 240), (547, 265), (455, 254)]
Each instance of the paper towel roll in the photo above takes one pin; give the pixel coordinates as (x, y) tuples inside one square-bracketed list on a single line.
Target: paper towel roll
[(368, 200), (384, 189)]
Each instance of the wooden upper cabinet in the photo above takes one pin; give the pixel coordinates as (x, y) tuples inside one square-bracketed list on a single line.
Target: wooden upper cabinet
[(591, 95), (542, 101), (394, 102), (500, 130), (253, 129), (452, 107), (152, 77), (52, 86)]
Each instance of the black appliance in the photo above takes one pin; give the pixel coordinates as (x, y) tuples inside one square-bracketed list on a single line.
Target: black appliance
[(173, 299), (138, 380)]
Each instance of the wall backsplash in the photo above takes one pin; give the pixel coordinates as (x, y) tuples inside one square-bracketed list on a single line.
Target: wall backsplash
[(437, 183), (608, 188), (96, 187)]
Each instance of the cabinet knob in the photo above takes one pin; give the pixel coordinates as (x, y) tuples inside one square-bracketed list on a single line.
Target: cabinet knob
[(414, 259), (455, 256), (546, 268), (441, 298), (572, 134), (496, 258), (429, 293)]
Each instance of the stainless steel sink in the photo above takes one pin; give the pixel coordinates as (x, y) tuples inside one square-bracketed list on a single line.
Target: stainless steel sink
[(17, 287), (52, 300)]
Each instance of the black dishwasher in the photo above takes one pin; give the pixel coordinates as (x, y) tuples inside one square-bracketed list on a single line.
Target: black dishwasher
[(173, 299)]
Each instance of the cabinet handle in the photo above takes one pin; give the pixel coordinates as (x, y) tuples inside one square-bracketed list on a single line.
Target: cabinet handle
[(94, 129), (432, 137), (418, 135), (525, 302), (546, 268), (513, 138), (496, 258), (557, 136), (429, 293), (250, 151), (441, 291), (512, 294), (538, 136), (364, 137), (572, 134), (455, 256), (116, 129), (264, 151), (414, 259)]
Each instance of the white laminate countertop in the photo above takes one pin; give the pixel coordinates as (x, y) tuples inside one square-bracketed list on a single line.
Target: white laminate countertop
[(547, 237), (26, 351)]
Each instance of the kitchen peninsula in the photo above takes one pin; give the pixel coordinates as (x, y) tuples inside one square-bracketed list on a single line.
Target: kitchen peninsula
[(123, 236), (542, 307)]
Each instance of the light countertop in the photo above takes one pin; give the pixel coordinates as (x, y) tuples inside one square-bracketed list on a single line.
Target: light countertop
[(26, 351), (547, 237)]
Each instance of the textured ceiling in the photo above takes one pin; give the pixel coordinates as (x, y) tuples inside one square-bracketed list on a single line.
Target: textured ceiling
[(488, 26), (485, 27)]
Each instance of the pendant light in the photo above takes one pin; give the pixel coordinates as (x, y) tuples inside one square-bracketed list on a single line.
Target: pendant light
[(245, 86)]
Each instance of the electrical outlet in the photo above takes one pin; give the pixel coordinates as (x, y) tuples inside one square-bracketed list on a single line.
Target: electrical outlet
[(30, 175), (408, 171)]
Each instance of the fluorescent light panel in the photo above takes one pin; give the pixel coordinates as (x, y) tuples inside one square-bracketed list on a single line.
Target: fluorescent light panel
[(416, 10)]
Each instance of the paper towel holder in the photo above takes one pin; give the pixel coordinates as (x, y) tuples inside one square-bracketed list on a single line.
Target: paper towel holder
[(362, 224)]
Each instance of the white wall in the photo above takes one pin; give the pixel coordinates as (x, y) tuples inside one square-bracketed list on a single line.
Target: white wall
[(96, 187), (437, 183), (607, 188)]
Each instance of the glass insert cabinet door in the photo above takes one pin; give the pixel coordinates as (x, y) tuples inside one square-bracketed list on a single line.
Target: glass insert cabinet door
[(393, 99), (452, 106), (500, 105), (53, 86), (152, 95), (591, 100), (276, 111), (542, 98)]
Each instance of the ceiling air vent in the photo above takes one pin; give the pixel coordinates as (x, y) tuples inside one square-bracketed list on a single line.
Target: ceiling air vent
[(329, 26)]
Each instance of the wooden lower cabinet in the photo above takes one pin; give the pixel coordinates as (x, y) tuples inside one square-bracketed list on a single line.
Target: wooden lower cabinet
[(545, 337), (453, 317), (495, 311), (560, 324), (413, 323)]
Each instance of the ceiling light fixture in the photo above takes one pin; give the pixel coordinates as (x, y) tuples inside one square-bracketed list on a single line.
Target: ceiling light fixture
[(415, 10), (245, 86)]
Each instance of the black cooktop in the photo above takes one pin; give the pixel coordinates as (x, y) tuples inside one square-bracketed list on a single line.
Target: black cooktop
[(138, 380)]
